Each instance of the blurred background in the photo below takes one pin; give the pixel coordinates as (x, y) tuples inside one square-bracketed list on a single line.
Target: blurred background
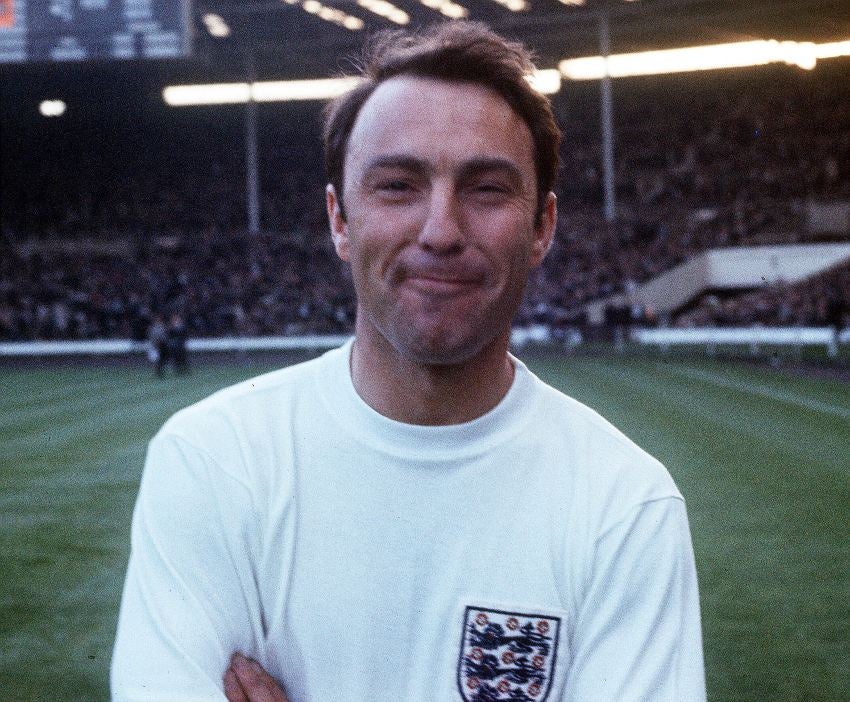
[(163, 234)]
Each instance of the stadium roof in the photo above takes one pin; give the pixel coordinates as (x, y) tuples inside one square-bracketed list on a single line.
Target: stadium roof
[(288, 40)]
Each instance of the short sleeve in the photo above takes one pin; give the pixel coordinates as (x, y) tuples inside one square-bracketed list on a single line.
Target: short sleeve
[(638, 636), (189, 598)]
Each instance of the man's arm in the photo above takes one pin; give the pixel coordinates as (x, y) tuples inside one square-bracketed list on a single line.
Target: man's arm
[(638, 636), (189, 598)]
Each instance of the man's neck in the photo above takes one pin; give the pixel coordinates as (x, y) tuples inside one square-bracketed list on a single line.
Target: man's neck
[(417, 393)]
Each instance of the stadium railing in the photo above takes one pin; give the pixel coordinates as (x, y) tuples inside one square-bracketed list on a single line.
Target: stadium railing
[(752, 337), (538, 334)]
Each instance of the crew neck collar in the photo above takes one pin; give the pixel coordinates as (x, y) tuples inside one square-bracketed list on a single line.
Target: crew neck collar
[(416, 441)]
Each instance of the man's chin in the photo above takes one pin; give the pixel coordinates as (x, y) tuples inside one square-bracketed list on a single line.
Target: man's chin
[(440, 350)]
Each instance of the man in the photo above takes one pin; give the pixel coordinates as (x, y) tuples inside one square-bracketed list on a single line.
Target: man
[(157, 346), (414, 516)]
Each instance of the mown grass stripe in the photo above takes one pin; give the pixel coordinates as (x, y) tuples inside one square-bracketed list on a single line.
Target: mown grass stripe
[(770, 427), (831, 391), (129, 404), (56, 391), (89, 417), (771, 393), (51, 416)]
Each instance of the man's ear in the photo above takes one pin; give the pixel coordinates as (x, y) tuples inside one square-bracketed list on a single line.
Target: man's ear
[(544, 233), (339, 227)]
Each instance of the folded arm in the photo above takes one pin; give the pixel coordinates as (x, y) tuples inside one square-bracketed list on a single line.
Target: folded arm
[(189, 598)]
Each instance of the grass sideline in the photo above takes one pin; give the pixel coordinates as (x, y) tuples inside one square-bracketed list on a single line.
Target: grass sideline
[(762, 459)]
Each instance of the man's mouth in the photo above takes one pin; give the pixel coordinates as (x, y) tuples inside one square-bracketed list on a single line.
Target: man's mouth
[(440, 282), (439, 285)]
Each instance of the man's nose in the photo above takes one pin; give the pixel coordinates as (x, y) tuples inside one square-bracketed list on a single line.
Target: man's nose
[(442, 231)]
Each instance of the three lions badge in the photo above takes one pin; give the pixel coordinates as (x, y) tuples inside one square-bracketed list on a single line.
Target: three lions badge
[(507, 655)]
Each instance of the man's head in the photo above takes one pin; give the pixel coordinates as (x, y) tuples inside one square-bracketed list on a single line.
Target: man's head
[(458, 52), (446, 209)]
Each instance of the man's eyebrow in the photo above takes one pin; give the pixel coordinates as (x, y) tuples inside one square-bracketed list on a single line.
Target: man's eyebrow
[(408, 163), (477, 166), (472, 167)]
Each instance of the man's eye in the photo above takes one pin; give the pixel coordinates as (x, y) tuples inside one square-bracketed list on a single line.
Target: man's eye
[(491, 189), (394, 186)]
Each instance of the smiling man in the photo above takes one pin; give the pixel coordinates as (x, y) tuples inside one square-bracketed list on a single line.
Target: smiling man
[(415, 516), (441, 228)]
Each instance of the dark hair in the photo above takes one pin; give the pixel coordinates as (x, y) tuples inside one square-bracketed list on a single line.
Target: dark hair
[(466, 52)]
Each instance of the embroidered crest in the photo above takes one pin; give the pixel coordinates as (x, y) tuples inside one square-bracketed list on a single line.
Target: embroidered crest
[(507, 655)]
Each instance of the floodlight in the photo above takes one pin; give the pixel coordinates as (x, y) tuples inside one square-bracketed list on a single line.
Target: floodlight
[(353, 23), (286, 90), (385, 9), (260, 91), (695, 58), (454, 11), (329, 14), (832, 49), (216, 25), (213, 94), (702, 58), (513, 5), (574, 3), (546, 81), (52, 108), (447, 7), (800, 54)]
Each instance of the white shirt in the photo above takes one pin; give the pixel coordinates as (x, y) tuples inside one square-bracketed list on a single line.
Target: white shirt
[(362, 559)]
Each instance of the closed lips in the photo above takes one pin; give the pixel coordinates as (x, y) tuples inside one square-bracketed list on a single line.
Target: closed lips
[(440, 278), (455, 275)]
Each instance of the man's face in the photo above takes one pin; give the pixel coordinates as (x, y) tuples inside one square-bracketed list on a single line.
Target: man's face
[(440, 197)]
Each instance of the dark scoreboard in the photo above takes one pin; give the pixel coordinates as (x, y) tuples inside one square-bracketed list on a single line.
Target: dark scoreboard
[(78, 30)]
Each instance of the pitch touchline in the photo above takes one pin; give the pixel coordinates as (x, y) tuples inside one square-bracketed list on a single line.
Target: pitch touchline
[(762, 390)]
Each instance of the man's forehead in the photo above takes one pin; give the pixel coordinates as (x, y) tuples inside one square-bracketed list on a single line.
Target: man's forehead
[(436, 121), (412, 97), (437, 91)]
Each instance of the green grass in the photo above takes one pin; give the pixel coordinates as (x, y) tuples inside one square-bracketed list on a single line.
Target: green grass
[(763, 460)]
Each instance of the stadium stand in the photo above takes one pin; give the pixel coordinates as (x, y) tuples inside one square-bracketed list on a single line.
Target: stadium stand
[(155, 208), (820, 301)]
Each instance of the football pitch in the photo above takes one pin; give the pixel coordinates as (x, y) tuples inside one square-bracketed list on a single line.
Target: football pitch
[(763, 460)]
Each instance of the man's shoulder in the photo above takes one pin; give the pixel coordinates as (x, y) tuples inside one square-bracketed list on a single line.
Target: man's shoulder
[(256, 401), (601, 454), (575, 417)]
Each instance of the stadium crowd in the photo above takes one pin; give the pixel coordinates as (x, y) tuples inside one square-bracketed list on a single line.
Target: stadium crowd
[(727, 163), (221, 287), (820, 301)]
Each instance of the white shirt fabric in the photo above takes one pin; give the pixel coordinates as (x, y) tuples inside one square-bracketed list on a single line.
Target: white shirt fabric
[(350, 554)]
